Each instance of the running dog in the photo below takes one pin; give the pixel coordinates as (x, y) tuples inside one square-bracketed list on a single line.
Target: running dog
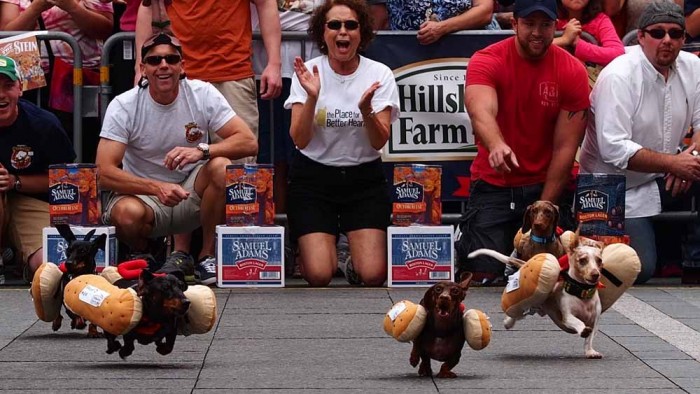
[(574, 303)]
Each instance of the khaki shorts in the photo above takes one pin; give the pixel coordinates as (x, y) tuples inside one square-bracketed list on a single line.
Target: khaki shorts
[(243, 98), (27, 219), (182, 218)]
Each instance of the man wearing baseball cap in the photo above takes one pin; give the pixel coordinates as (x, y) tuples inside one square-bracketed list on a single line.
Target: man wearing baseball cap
[(30, 140), (527, 101), (642, 106), (172, 180)]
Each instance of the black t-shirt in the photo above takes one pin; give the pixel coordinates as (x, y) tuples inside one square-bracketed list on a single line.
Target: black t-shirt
[(33, 142)]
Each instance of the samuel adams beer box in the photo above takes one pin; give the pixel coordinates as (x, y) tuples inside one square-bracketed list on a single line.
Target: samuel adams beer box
[(420, 255), (417, 195), (600, 207), (55, 246), (249, 198), (250, 256), (73, 194)]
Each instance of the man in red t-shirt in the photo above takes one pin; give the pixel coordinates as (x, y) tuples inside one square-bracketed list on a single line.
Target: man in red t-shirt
[(527, 101)]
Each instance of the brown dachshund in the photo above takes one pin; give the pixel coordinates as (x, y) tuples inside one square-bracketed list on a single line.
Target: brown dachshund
[(539, 231), (442, 338)]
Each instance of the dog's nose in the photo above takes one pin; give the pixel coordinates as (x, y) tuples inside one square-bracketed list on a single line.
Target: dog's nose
[(186, 304), (595, 276)]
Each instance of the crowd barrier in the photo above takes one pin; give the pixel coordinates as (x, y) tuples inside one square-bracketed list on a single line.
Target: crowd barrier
[(77, 81)]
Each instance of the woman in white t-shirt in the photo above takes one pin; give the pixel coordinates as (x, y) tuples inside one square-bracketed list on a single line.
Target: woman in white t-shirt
[(342, 107)]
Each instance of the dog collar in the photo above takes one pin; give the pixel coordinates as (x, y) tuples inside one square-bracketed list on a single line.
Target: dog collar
[(583, 291), (542, 240)]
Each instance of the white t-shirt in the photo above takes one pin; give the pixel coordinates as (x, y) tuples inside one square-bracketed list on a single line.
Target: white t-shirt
[(290, 20), (150, 130), (633, 106), (340, 138)]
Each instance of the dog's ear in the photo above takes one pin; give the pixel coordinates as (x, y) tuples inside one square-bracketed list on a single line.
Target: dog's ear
[(99, 243), (65, 232), (89, 235), (527, 219), (181, 277), (428, 300), (555, 210), (146, 276), (574, 241), (464, 280)]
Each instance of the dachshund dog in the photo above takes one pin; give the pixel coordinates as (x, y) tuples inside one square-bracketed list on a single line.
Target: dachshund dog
[(574, 303), (80, 260), (540, 220), (442, 338)]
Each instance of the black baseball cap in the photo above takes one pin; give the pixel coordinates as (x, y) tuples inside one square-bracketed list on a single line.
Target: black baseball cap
[(524, 8), (160, 39)]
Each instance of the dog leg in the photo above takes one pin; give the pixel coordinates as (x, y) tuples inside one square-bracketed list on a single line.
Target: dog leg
[(588, 344), (509, 322), (167, 347), (424, 369), (57, 322), (574, 324), (413, 360), (128, 347), (112, 344), (446, 368), (92, 331)]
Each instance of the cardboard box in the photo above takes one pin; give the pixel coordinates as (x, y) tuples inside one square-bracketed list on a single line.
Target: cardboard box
[(250, 256), (73, 195), (420, 255), (55, 246), (600, 206), (249, 195), (417, 195)]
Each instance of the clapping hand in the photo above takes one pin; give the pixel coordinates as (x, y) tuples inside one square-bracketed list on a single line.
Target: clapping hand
[(365, 103), (572, 31), (311, 82)]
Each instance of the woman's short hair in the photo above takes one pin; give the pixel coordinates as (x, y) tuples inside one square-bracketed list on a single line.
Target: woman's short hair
[(317, 24)]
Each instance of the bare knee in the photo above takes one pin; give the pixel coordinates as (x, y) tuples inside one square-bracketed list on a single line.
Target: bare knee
[(216, 169), (317, 275), (129, 215)]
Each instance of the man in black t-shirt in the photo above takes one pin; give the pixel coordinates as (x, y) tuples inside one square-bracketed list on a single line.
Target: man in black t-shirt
[(30, 140)]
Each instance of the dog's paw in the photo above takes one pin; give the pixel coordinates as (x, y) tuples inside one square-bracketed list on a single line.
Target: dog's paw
[(508, 322), (592, 354), (586, 332), (113, 347), (124, 353), (163, 349), (78, 323), (446, 375), (424, 370)]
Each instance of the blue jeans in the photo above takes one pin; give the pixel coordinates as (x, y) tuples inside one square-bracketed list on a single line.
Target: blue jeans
[(492, 218), (643, 237)]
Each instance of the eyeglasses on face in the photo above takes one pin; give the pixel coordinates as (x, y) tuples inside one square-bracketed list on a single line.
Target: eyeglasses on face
[(659, 33), (156, 60), (349, 25)]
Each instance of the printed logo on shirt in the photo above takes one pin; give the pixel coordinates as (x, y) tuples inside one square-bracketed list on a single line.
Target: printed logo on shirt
[(192, 132), (21, 156), (338, 118), (549, 93)]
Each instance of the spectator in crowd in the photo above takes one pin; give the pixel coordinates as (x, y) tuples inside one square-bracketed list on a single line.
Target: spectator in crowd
[(434, 19), (641, 108), (527, 101), (576, 16), (216, 37), (172, 181), (342, 106), (692, 19), (380, 15), (89, 22), (30, 140)]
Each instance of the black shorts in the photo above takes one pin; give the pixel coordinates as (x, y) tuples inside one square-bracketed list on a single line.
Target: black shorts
[(330, 199)]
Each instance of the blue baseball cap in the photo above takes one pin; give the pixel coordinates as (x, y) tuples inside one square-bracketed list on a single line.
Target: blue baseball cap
[(524, 8)]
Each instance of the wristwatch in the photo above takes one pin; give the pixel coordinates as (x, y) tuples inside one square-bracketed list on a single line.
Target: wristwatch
[(18, 183), (205, 149)]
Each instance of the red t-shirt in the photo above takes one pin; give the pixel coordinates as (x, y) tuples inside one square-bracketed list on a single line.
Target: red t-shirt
[(530, 96)]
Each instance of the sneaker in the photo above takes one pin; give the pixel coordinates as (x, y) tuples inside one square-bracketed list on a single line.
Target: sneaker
[(348, 269), (205, 272), (182, 261), (2, 272)]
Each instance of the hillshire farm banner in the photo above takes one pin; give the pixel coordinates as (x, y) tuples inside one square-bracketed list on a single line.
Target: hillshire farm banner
[(434, 126)]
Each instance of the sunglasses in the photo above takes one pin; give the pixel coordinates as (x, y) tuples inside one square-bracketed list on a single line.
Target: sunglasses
[(659, 34), (156, 60), (349, 25)]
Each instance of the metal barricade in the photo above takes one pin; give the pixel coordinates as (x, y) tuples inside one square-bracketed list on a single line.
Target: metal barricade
[(77, 81)]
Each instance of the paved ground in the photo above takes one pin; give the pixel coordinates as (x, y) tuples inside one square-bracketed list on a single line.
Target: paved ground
[(329, 340)]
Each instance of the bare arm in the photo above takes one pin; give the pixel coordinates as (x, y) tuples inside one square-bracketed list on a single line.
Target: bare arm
[(95, 24), (143, 31), (612, 7), (11, 19), (692, 23), (482, 106), (475, 18), (271, 78), (302, 128), (238, 140), (568, 134)]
